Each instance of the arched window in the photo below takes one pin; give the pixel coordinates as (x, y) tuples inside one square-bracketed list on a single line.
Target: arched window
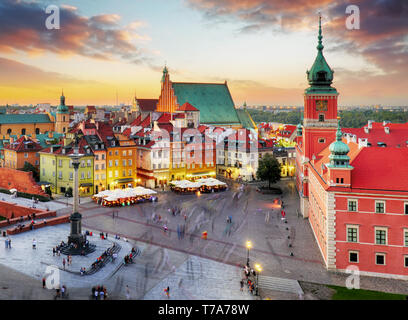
[(23, 131), (321, 117), (37, 130), (63, 118), (9, 131)]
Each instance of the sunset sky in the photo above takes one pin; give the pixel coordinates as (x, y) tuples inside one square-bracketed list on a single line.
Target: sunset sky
[(262, 48)]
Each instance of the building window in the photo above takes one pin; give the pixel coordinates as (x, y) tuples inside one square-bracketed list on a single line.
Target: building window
[(23, 131), (130, 162), (89, 163), (116, 163), (321, 140), (8, 131), (110, 163), (124, 153), (123, 173), (82, 175), (59, 174), (130, 172), (103, 166), (110, 174), (97, 177), (321, 117), (116, 152), (96, 166), (96, 156), (379, 206), (406, 208), (130, 152), (352, 234), (380, 259), (406, 261), (353, 256), (89, 174), (124, 162), (25, 155), (37, 130), (103, 156), (405, 238), (116, 173), (352, 205), (381, 236), (71, 176)]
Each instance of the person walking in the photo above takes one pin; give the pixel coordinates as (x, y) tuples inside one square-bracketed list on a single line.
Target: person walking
[(6, 243), (127, 293), (53, 251), (267, 217), (43, 282), (9, 243), (167, 291), (242, 285), (63, 291), (63, 263), (34, 244)]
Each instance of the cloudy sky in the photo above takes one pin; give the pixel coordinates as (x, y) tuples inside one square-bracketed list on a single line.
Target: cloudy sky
[(261, 47)]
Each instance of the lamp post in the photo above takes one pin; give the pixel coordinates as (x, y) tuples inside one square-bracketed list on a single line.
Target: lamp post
[(76, 237), (258, 269), (249, 246)]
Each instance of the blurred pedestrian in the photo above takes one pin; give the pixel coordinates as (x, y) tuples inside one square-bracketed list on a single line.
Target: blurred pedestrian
[(63, 263)]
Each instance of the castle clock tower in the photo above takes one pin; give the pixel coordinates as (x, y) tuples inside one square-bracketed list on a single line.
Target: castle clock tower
[(319, 123), (320, 105)]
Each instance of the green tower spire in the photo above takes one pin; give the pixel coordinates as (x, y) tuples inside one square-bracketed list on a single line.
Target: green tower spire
[(320, 76), (165, 72), (62, 108)]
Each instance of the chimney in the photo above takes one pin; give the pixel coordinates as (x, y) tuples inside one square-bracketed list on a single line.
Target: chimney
[(387, 130), (367, 129), (370, 124)]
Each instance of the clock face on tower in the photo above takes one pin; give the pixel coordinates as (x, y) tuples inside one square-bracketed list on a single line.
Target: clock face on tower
[(321, 105)]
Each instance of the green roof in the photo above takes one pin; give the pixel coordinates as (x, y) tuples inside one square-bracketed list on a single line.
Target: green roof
[(43, 137), (212, 99), (24, 118), (320, 76), (245, 119)]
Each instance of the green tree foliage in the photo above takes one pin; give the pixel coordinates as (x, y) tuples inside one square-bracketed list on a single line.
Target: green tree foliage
[(269, 169), (348, 118), (28, 167)]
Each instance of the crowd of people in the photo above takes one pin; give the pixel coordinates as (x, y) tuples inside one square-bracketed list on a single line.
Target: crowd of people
[(102, 258), (99, 293), (249, 279)]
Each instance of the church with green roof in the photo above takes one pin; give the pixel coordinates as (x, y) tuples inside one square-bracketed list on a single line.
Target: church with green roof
[(213, 100)]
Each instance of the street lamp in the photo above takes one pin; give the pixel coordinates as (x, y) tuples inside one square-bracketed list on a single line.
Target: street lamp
[(249, 246), (258, 269)]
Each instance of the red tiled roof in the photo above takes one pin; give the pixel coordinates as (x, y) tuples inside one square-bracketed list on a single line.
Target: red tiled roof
[(164, 118), (147, 105), (137, 121), (127, 132), (376, 168), (187, 107), (19, 145), (146, 122), (398, 134)]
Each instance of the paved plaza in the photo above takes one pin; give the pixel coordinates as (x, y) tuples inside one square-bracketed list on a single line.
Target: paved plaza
[(193, 267)]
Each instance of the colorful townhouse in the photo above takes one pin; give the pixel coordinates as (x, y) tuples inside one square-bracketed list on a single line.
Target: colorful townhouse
[(20, 151), (56, 167), (352, 186)]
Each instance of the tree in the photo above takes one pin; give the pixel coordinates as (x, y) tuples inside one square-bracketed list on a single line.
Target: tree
[(28, 167), (269, 169)]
